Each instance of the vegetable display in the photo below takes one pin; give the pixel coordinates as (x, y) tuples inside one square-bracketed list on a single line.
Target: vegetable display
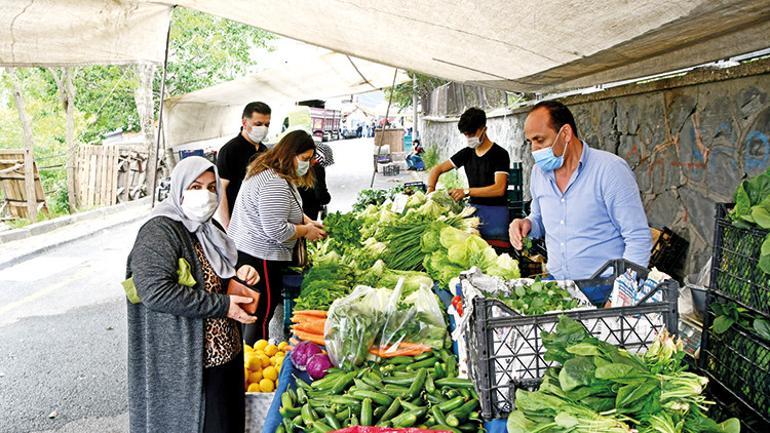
[(384, 322), (599, 387), (752, 208), (538, 298), (403, 392), (450, 251)]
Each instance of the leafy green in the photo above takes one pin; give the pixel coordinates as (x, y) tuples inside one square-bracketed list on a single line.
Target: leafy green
[(538, 298), (752, 207), (599, 387)]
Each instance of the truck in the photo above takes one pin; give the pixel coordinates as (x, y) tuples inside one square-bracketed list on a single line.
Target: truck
[(321, 123)]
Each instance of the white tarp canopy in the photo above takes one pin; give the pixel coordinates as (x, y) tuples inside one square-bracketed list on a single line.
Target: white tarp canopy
[(520, 45), (77, 32), (216, 111)]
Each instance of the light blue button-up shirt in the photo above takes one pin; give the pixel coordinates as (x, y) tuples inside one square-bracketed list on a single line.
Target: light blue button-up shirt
[(598, 217)]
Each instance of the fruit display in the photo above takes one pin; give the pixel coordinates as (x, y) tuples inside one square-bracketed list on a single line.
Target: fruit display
[(262, 364)]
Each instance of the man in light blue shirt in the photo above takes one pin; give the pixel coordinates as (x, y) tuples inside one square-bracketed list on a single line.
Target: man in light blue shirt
[(584, 201)]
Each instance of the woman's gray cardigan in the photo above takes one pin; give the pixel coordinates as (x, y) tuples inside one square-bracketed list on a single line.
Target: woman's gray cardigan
[(166, 332)]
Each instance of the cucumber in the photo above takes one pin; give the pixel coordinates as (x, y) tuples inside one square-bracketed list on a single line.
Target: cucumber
[(366, 412)]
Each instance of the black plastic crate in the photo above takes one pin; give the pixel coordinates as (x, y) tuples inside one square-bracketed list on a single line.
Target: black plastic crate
[(739, 361), (735, 272), (727, 405), (506, 349)]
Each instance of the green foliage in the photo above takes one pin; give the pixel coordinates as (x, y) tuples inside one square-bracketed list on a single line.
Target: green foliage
[(752, 208), (402, 93), (431, 157), (105, 97), (206, 50)]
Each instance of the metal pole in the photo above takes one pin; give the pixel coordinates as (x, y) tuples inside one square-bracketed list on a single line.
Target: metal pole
[(414, 106), (160, 110)]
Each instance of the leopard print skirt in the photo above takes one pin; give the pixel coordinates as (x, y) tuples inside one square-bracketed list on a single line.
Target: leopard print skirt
[(223, 336)]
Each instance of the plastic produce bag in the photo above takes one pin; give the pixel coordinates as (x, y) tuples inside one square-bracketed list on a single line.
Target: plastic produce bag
[(353, 324), (412, 323)]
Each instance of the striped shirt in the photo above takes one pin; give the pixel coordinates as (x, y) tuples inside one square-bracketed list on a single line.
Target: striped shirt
[(266, 212)]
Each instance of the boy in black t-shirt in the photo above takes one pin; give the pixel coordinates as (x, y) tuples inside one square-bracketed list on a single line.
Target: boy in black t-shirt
[(234, 157), (486, 167)]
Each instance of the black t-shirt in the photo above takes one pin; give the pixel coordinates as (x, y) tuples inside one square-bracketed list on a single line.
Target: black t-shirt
[(232, 160), (481, 170)]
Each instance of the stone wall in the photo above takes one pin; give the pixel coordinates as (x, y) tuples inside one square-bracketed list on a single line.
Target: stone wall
[(690, 140)]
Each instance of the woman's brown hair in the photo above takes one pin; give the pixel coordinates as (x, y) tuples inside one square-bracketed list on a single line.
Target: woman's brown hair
[(281, 159)]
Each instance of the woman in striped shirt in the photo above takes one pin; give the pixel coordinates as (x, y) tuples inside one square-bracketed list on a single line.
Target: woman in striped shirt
[(267, 219)]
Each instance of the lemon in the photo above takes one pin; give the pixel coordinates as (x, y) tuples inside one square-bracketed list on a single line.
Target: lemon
[(270, 373), (247, 348), (254, 387), (256, 376), (278, 364), (266, 385), (265, 360), (282, 346), (271, 350), (254, 363), (260, 345)]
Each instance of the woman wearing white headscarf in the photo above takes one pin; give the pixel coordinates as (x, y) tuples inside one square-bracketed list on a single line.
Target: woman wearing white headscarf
[(185, 357)]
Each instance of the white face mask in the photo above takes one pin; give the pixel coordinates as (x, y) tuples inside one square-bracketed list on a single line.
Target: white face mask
[(257, 133), (474, 142), (302, 167), (199, 204)]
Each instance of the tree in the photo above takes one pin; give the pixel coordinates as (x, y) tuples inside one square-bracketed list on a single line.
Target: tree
[(402, 93), (63, 80), (29, 144), (206, 50)]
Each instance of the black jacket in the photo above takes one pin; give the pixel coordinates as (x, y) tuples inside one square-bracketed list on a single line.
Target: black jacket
[(314, 199)]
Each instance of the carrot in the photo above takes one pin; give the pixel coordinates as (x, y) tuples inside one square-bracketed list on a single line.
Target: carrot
[(313, 338), (298, 317), (314, 313), (314, 327)]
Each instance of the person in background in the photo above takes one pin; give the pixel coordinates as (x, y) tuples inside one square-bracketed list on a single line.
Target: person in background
[(236, 154), (268, 219), (585, 201), (486, 167), (414, 160), (316, 198), (185, 356)]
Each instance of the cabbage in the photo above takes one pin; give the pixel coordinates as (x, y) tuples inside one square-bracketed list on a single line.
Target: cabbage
[(301, 354), (416, 200), (505, 267), (318, 365), (450, 236), (458, 254)]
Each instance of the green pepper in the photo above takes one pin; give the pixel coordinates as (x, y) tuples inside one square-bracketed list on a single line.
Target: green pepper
[(288, 425), (286, 400), (342, 383), (332, 421), (421, 364), (280, 429), (320, 427), (399, 360), (307, 416), (423, 356)]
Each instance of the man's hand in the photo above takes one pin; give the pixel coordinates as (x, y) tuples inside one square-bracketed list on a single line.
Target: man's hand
[(457, 194), (431, 189), (235, 312), (518, 230), (248, 275)]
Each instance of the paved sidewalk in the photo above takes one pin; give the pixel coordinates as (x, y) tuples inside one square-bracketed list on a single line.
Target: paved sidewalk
[(21, 244)]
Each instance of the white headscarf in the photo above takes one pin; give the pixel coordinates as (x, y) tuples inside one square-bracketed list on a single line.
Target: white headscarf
[(217, 247)]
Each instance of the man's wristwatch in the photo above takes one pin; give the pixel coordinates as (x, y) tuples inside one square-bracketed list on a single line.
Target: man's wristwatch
[(467, 192)]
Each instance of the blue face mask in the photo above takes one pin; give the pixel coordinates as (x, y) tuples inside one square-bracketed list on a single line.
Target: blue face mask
[(546, 160)]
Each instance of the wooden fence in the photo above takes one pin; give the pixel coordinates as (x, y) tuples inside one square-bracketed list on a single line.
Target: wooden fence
[(109, 175), (12, 181)]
